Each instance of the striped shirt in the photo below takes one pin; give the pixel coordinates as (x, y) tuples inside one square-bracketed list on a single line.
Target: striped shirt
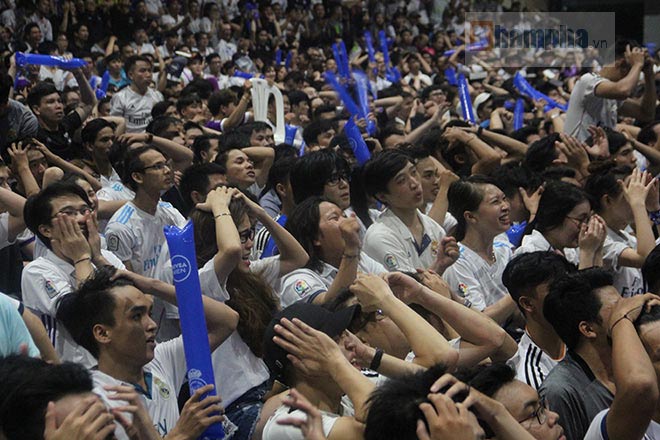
[(531, 363)]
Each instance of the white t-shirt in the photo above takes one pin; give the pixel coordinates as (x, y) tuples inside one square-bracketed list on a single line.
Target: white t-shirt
[(137, 236), (236, 368), (275, 431), (586, 109), (531, 363), (164, 375), (135, 108), (598, 429), (390, 242), (307, 284), (473, 278), (109, 181), (627, 280), (537, 242), (115, 191), (44, 282)]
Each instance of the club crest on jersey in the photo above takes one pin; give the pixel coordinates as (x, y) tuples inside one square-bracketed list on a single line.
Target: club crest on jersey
[(301, 287), (435, 246), (50, 289), (390, 261), (162, 388), (113, 243)]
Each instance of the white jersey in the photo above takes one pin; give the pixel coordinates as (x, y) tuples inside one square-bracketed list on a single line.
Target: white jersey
[(586, 109), (275, 431), (627, 280), (109, 181), (537, 242), (598, 429), (135, 108), (475, 279), (164, 376), (531, 363), (44, 282), (236, 368), (307, 284), (137, 236), (115, 191), (390, 242)]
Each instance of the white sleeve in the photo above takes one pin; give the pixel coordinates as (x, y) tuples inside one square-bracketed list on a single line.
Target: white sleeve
[(462, 281), (121, 240), (611, 252), (275, 431), (598, 427), (43, 288), (116, 106), (387, 250), (300, 285), (4, 230), (268, 269)]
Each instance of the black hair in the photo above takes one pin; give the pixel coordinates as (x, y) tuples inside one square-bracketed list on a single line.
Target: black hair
[(620, 46), (510, 177), (382, 168), (311, 172), (279, 172), (572, 299), (201, 144), (159, 125), (558, 199), (38, 92), (91, 130), (27, 385), (557, 173), (297, 96), (133, 60), (323, 108), (394, 405), (525, 272), (220, 98), (490, 379), (647, 134), (605, 181), (523, 133), (6, 83), (38, 207), (91, 304), (466, 195), (252, 127), (187, 100), (196, 178), (651, 271), (303, 224), (359, 196), (133, 164), (542, 153), (230, 141), (647, 317), (312, 131), (160, 108)]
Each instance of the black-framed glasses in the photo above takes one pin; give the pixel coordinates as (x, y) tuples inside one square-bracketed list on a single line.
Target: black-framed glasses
[(361, 320), (159, 166), (580, 221), (72, 212), (335, 178), (540, 413), (246, 235)]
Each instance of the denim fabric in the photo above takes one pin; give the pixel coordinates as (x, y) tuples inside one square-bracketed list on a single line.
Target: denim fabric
[(244, 411)]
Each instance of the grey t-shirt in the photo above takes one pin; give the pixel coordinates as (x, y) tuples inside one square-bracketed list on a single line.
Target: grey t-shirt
[(573, 392), (585, 108), (18, 123)]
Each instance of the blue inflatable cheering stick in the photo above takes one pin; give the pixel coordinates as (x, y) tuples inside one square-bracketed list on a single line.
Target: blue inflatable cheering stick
[(23, 59), (191, 314), (464, 97)]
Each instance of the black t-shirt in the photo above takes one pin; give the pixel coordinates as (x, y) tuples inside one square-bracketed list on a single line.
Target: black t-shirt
[(60, 142)]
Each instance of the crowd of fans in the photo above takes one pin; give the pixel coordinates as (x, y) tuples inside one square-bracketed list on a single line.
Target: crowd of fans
[(492, 276)]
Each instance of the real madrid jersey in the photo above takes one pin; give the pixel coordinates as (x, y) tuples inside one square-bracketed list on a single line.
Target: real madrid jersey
[(389, 241), (531, 363), (137, 236), (475, 279), (627, 280)]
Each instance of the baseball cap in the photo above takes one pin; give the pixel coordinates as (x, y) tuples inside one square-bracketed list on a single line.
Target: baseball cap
[(317, 317), (480, 99)]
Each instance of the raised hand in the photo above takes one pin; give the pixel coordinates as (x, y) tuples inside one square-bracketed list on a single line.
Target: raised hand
[(311, 426), (198, 414)]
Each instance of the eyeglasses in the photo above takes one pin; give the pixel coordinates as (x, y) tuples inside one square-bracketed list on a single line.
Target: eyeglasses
[(580, 221), (72, 212), (362, 319), (540, 413), (246, 235), (336, 177), (159, 166)]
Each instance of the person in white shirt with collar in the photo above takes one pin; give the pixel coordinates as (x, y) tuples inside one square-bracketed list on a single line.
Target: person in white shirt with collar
[(564, 224), (60, 216), (403, 238), (482, 212), (11, 221), (332, 241), (109, 315)]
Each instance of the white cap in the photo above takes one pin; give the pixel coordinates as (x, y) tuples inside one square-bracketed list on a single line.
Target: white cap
[(480, 99)]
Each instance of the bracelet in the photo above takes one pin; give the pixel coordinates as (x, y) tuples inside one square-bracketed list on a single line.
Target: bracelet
[(81, 260), (554, 116), (655, 217), (375, 362), (222, 214), (349, 256), (150, 138), (618, 321)]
